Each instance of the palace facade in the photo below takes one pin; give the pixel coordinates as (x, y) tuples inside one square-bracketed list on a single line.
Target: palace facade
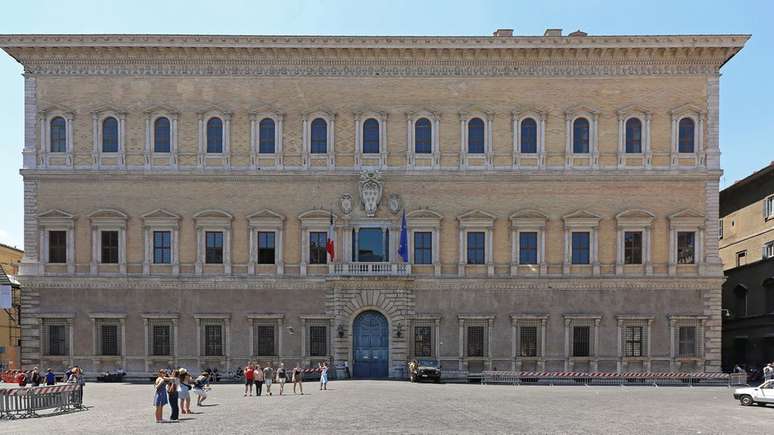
[(560, 196)]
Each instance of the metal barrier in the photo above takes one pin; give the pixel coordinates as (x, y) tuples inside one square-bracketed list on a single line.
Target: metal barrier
[(605, 378), (738, 379), (26, 402)]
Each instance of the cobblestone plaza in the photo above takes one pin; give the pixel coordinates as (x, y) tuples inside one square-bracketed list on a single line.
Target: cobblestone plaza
[(401, 407)]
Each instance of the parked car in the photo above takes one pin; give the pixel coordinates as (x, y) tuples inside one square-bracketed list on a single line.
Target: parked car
[(760, 395), (428, 370)]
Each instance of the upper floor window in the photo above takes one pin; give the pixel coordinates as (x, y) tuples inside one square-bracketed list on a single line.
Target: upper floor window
[(423, 247), (476, 247), (528, 136), (768, 208), (57, 246), (423, 136), (686, 247), (686, 129), (213, 247), (266, 246), (633, 247), (317, 243), (768, 250), (476, 136), (58, 135), (633, 136), (215, 136), (528, 247), (162, 135), (580, 136), (266, 136), (319, 135), (162, 247), (109, 247), (581, 247), (110, 135), (371, 136)]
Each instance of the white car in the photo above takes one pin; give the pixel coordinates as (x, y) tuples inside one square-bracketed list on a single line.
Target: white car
[(761, 395)]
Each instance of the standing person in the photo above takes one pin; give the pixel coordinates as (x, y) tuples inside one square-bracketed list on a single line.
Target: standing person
[(50, 377), (767, 372), (281, 377), (184, 392), (346, 369), (268, 377), (173, 396), (249, 378), (21, 378), (323, 376), (36, 378), (298, 379), (160, 397), (258, 376)]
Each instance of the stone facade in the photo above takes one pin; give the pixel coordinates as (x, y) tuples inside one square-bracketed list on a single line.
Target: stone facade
[(591, 306)]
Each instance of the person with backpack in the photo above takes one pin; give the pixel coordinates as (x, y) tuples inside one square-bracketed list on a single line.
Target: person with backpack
[(249, 373)]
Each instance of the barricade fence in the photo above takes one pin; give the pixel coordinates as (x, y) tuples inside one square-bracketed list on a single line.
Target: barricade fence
[(606, 378), (27, 402)]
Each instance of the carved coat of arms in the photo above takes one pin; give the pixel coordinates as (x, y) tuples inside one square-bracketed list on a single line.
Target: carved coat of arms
[(371, 188), (345, 203)]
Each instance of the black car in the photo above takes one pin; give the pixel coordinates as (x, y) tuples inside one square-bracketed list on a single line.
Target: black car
[(428, 370)]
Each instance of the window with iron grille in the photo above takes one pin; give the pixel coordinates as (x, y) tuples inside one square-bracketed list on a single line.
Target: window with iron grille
[(686, 246), (633, 341), (162, 340), (266, 247), (109, 247), (213, 340), (264, 340), (686, 341), (423, 345), (423, 247), (581, 341), (57, 340), (109, 340), (475, 341), (213, 247), (528, 249), (476, 247), (317, 243), (162, 247), (57, 246), (528, 341), (318, 340), (633, 247)]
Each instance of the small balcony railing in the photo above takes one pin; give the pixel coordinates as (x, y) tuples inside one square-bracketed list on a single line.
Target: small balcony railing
[(369, 269)]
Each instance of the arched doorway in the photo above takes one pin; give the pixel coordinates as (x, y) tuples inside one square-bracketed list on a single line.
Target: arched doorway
[(371, 345)]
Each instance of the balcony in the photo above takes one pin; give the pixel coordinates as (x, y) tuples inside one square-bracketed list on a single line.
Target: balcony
[(369, 269)]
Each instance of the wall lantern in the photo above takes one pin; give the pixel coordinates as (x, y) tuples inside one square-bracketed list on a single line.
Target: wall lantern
[(340, 331)]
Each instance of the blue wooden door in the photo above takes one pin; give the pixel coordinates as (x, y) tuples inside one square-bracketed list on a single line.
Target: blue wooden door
[(371, 347)]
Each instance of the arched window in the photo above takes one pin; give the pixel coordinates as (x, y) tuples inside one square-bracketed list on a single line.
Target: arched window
[(266, 136), (633, 135), (319, 136), (162, 138), (58, 135), (110, 135), (423, 136), (528, 136), (476, 136), (214, 135), (371, 136), (580, 136), (685, 136)]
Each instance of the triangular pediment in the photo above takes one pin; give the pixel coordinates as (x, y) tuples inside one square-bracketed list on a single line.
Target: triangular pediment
[(160, 213), (687, 213), (213, 213), (266, 214), (107, 213), (476, 215), (582, 214), (55, 214), (528, 213), (633, 108), (635, 214), (424, 213)]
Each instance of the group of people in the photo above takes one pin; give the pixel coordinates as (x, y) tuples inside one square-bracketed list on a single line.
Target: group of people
[(34, 377), (754, 374), (174, 387)]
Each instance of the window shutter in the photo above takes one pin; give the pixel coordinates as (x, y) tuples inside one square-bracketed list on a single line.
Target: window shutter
[(766, 211)]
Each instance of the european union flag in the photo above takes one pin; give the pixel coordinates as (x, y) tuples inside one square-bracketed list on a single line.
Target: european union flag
[(403, 247)]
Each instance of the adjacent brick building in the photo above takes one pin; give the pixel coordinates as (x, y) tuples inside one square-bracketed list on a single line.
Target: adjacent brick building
[(560, 194)]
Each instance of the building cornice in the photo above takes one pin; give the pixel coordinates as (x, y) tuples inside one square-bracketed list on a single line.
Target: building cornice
[(292, 56)]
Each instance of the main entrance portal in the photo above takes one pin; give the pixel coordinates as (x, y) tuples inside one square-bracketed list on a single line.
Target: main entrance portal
[(371, 347)]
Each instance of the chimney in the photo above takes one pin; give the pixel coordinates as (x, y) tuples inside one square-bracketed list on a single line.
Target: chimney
[(578, 33), (502, 33), (553, 32)]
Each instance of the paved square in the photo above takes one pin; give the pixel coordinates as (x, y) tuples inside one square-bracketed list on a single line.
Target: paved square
[(401, 407)]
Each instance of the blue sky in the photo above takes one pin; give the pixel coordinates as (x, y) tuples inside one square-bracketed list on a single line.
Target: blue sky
[(746, 120)]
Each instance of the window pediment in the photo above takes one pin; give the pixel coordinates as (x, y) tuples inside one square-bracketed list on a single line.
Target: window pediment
[(424, 217), (160, 217), (213, 217), (528, 217), (54, 108), (579, 110), (265, 217), (107, 108), (316, 217), (56, 217), (529, 111), (214, 110), (324, 113), (160, 108), (633, 110), (635, 217), (686, 109), (477, 218), (107, 216), (687, 217), (581, 218)]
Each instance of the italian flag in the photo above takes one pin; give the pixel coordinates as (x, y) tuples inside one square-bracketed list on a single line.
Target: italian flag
[(329, 246)]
